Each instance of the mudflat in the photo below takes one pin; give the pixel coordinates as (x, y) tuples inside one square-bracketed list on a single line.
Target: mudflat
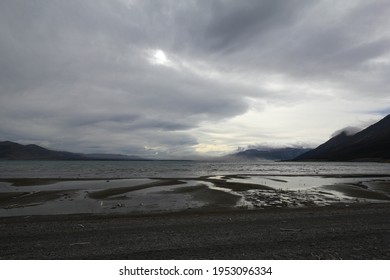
[(358, 231), (22, 197)]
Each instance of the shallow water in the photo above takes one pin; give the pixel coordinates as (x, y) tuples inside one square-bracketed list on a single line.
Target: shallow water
[(134, 187)]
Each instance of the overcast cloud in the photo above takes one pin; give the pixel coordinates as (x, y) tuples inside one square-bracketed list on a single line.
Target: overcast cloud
[(170, 79)]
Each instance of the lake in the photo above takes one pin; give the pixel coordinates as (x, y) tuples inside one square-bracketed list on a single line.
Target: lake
[(180, 169)]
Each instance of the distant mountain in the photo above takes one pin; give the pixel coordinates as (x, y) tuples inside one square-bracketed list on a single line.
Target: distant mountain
[(269, 154), (111, 157), (14, 151), (370, 144)]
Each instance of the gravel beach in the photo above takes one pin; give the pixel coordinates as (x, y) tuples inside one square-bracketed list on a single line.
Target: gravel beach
[(359, 231)]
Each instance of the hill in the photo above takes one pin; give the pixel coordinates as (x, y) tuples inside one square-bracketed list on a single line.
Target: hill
[(14, 151), (370, 144)]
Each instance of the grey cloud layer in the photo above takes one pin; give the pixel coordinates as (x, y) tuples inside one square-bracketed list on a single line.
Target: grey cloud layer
[(79, 73)]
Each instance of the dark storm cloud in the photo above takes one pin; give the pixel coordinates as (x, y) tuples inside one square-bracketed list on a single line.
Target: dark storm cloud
[(84, 74), (241, 23), (322, 42)]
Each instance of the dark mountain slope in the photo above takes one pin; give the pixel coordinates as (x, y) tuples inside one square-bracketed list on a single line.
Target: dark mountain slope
[(370, 144), (14, 151)]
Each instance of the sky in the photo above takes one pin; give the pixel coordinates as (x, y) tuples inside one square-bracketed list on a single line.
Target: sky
[(182, 79)]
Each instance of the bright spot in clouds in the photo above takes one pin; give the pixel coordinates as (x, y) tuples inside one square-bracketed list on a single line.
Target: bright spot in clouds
[(159, 57)]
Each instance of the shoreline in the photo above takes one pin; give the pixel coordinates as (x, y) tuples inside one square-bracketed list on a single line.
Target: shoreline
[(197, 212)]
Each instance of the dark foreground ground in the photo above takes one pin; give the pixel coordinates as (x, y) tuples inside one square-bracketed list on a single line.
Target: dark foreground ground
[(337, 232)]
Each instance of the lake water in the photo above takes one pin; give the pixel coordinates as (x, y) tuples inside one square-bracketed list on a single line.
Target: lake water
[(180, 169)]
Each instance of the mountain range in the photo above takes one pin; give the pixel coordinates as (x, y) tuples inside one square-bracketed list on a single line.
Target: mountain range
[(370, 144), (14, 151), (269, 153)]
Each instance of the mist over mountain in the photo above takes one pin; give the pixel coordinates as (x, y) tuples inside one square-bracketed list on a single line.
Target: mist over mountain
[(14, 151), (269, 153), (370, 144)]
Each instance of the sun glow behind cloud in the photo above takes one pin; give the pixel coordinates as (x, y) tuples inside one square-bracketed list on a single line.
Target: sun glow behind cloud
[(158, 57)]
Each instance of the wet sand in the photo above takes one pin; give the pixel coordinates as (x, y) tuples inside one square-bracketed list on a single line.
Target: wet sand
[(20, 197)]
